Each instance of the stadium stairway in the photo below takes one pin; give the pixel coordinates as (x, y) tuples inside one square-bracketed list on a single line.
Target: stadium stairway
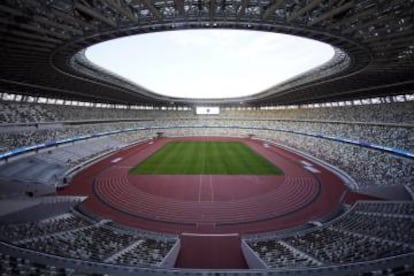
[(209, 251)]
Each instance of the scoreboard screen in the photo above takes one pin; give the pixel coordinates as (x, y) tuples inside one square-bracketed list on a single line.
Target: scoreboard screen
[(207, 110)]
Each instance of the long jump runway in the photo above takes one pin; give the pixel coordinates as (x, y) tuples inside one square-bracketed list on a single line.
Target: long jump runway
[(208, 203)]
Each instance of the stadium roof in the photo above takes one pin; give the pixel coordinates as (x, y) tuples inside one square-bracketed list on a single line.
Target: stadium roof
[(43, 45)]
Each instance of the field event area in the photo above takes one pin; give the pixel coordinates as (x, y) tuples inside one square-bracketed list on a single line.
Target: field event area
[(206, 157)]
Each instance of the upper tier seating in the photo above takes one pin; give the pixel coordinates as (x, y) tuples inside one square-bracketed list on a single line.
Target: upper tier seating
[(19, 112)]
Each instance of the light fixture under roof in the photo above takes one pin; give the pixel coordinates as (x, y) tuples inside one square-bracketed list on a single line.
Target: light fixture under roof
[(62, 5)]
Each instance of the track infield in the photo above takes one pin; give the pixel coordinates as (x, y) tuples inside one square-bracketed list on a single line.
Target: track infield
[(207, 203), (205, 158)]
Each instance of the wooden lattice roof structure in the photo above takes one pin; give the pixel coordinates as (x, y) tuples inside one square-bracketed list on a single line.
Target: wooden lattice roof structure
[(42, 42)]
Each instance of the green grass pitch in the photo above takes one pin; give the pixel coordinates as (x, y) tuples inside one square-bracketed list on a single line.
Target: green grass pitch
[(233, 158)]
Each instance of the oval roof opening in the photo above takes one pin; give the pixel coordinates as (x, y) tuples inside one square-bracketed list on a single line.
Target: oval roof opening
[(206, 64)]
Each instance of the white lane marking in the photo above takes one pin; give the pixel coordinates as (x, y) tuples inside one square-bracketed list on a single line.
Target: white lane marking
[(312, 169), (309, 166), (306, 163), (116, 160)]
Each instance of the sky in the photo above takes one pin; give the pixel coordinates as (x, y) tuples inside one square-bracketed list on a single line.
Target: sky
[(209, 63)]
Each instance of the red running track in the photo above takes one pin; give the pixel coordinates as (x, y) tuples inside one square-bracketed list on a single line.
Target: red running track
[(208, 203)]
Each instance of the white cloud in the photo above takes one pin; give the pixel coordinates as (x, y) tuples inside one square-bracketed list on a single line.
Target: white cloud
[(209, 63)]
